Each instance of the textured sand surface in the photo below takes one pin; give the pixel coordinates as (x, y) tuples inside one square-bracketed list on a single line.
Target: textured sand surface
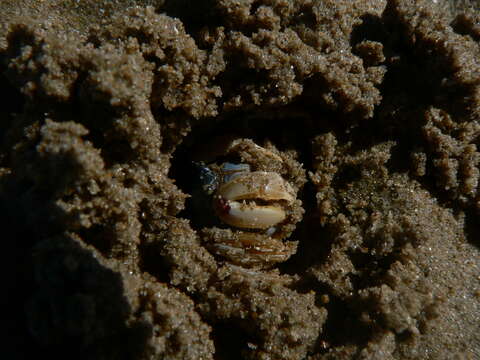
[(107, 103)]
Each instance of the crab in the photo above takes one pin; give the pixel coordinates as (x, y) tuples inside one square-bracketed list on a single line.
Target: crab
[(256, 202)]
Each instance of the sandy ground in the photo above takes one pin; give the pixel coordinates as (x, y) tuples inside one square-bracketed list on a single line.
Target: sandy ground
[(369, 110)]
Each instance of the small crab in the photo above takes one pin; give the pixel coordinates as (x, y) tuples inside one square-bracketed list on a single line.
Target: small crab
[(257, 203)]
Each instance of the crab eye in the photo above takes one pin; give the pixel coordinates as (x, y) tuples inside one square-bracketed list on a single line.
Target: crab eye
[(207, 177)]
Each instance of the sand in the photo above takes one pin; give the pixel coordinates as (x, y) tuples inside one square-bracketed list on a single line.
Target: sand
[(373, 107)]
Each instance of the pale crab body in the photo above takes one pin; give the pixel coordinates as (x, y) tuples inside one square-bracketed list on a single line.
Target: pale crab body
[(259, 206)]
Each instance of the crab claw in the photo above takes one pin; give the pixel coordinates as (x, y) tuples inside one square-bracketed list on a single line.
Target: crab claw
[(250, 215), (267, 186)]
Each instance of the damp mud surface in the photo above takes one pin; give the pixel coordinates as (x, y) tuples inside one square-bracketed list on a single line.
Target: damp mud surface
[(369, 110)]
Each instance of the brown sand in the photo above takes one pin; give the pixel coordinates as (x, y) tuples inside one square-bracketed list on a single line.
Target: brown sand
[(105, 105)]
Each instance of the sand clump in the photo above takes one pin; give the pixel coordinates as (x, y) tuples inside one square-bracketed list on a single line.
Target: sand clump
[(379, 102)]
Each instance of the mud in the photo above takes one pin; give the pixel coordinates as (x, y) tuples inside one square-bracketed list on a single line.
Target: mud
[(374, 106)]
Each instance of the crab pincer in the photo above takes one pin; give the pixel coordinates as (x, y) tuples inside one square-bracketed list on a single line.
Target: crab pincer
[(253, 200)]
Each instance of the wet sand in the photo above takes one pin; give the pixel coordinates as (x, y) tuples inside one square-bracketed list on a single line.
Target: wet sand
[(369, 109)]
